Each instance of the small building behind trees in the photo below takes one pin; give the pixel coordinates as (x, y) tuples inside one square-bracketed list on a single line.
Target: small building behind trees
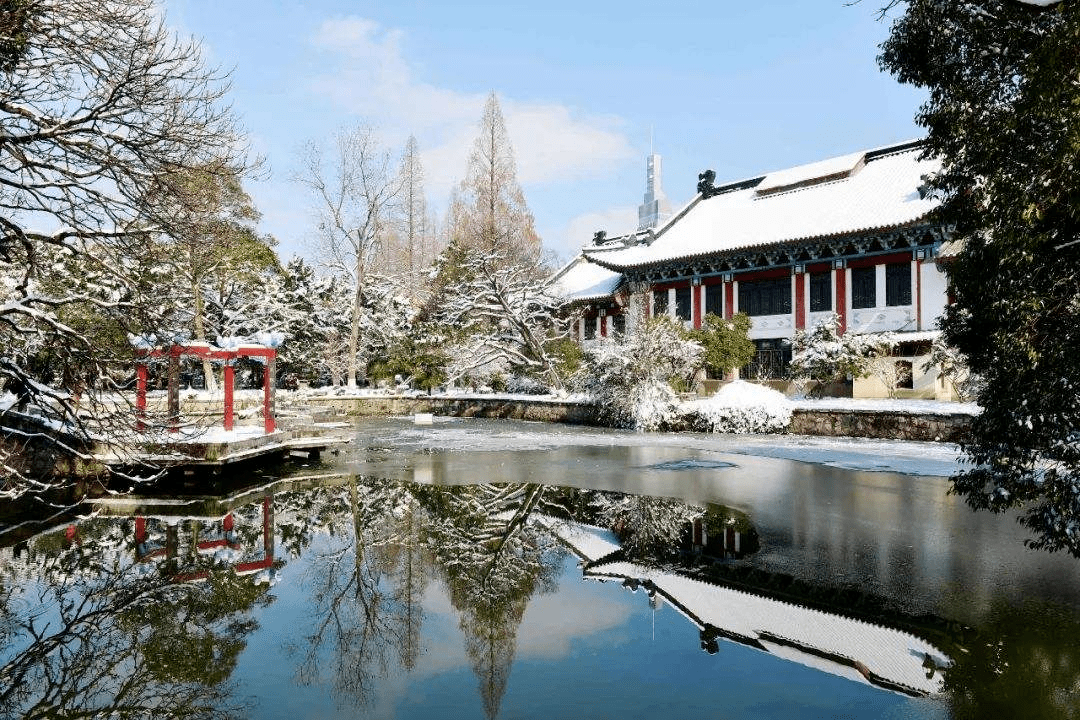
[(852, 236)]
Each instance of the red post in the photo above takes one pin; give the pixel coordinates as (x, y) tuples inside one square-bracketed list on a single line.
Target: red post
[(228, 380), (800, 301), (841, 300), (268, 394), (140, 396), (696, 291), (174, 388), (729, 300)]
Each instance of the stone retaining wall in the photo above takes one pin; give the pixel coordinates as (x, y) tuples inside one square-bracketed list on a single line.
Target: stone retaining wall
[(538, 410), (885, 424)]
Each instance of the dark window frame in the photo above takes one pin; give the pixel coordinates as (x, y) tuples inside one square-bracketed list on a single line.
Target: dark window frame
[(684, 303), (659, 302), (765, 297), (714, 299), (821, 292), (898, 284), (863, 288)]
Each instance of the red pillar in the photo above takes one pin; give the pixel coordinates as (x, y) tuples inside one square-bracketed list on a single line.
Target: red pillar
[(800, 301), (140, 396), (841, 299), (174, 389), (696, 292), (228, 380), (729, 299), (268, 395)]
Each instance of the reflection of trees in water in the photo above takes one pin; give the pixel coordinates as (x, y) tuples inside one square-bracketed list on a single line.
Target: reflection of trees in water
[(1024, 662), (97, 637), (493, 561), (366, 585)]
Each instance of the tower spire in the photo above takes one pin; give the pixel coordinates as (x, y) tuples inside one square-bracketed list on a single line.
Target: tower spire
[(655, 207)]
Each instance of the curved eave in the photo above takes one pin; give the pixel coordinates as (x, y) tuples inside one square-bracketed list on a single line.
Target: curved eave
[(622, 268)]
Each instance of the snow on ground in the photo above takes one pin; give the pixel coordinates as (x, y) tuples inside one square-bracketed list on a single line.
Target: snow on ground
[(922, 407)]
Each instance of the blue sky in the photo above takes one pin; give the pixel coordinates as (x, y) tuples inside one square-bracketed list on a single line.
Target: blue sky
[(742, 88)]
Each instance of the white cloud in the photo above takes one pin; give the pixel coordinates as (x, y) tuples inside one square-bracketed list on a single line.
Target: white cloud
[(369, 75), (581, 229)]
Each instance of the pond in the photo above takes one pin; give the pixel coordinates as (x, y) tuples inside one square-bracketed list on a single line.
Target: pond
[(499, 569)]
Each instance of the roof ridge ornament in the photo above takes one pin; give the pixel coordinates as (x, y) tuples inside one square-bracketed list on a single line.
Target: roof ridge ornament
[(705, 185)]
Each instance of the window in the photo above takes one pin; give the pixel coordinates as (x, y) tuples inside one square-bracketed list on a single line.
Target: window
[(770, 361), (618, 324), (682, 303), (765, 297), (863, 287), (659, 303), (820, 291), (898, 284), (905, 377), (590, 327), (714, 299)]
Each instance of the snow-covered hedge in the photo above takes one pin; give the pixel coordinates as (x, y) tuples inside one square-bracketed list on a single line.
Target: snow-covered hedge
[(739, 407)]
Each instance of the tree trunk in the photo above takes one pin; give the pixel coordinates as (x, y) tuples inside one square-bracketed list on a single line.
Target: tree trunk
[(200, 335)]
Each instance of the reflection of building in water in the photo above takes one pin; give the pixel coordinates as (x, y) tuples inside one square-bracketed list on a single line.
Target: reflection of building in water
[(187, 544), (857, 650)]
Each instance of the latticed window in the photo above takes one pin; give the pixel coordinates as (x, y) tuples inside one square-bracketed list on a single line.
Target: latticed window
[(618, 324), (765, 297), (820, 291), (771, 360), (898, 284), (682, 303), (863, 287), (659, 303), (714, 300)]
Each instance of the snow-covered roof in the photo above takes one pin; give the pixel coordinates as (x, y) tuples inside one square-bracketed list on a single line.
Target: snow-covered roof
[(878, 655), (857, 193), (582, 280)]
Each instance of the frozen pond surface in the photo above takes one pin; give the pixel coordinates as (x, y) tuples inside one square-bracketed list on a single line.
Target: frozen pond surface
[(422, 574)]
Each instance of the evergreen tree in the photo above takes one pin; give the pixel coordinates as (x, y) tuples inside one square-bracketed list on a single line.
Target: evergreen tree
[(1003, 117)]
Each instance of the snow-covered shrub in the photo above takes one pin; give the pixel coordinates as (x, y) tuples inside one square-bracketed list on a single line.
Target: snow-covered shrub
[(631, 378), (522, 385), (953, 366), (822, 355), (740, 407)]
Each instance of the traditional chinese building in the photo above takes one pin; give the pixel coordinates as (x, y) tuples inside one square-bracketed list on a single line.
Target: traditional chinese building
[(851, 235)]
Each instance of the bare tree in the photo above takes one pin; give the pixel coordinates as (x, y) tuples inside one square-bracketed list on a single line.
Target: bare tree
[(413, 215), (490, 213), (99, 107), (354, 189)]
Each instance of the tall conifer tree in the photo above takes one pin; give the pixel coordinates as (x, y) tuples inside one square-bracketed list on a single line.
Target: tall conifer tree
[(1004, 116)]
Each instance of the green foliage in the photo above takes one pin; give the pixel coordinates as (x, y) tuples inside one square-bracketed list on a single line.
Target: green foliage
[(566, 355), (1004, 116), (420, 362), (14, 19), (726, 342)]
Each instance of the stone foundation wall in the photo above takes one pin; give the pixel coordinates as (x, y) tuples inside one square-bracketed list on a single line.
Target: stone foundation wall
[(538, 410), (890, 425)]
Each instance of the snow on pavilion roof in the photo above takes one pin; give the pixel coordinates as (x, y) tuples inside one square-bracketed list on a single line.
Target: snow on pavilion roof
[(581, 280), (853, 194), (823, 640)]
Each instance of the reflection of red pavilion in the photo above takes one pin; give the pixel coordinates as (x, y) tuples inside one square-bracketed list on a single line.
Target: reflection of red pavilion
[(208, 536)]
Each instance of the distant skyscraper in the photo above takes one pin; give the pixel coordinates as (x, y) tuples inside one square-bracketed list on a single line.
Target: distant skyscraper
[(656, 207)]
